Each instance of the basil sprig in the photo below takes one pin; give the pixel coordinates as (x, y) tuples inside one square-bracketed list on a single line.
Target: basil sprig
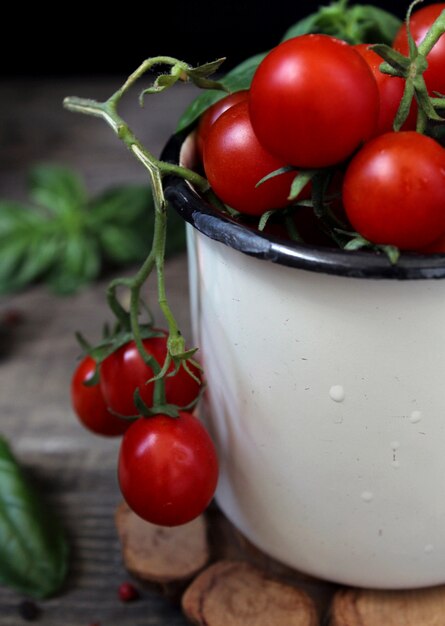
[(67, 239), (33, 547), (359, 23)]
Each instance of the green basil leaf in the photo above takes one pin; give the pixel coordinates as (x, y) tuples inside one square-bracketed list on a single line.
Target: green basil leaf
[(33, 548), (62, 242), (41, 254), (78, 265), (11, 216), (309, 24), (13, 250), (356, 24), (376, 25), (122, 205), (56, 188), (237, 79), (16, 217), (123, 244)]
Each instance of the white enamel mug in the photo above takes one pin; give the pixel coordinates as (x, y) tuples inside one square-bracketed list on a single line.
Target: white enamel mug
[(326, 398)]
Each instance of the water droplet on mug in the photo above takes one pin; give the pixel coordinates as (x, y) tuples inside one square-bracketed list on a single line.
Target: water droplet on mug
[(415, 417), (337, 393), (395, 445), (428, 548), (367, 496)]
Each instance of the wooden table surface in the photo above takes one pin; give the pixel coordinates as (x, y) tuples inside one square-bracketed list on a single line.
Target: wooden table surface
[(76, 469)]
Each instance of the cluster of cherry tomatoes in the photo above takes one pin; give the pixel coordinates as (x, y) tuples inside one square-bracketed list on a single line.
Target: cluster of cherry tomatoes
[(167, 467), (316, 102)]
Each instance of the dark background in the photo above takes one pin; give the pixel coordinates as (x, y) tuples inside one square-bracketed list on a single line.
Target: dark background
[(93, 38)]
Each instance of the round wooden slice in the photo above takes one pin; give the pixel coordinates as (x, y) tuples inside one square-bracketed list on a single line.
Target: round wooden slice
[(360, 607), (159, 554), (233, 593)]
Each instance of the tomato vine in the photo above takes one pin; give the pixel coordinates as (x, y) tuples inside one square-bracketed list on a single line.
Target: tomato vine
[(107, 110), (412, 68)]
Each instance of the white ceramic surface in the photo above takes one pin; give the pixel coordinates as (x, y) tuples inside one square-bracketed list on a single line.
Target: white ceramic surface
[(326, 397)]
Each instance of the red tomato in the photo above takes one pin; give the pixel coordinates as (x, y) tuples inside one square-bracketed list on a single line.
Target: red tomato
[(209, 117), (234, 162), (89, 404), (168, 468), (313, 101), (436, 247), (391, 91), (124, 371), (394, 190), (420, 23)]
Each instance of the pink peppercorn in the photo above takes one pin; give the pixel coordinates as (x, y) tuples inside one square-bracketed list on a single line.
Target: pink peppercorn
[(128, 592)]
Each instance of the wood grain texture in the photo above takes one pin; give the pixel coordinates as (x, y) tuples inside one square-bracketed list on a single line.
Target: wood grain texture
[(356, 607), (76, 470), (160, 554), (234, 593)]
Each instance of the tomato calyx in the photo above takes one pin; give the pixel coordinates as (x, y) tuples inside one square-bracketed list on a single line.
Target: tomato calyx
[(111, 342), (171, 410), (198, 75), (319, 200), (320, 203), (120, 337), (302, 178), (412, 68), (357, 242)]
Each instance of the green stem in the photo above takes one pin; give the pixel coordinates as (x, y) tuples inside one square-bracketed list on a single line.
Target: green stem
[(149, 359), (157, 170), (176, 342), (114, 304), (143, 69), (436, 31), (107, 111), (162, 296)]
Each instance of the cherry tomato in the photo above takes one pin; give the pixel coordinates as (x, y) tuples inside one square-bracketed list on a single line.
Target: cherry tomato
[(89, 404), (313, 101), (168, 468), (436, 247), (394, 190), (209, 117), (420, 23), (234, 162), (391, 90), (124, 371)]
